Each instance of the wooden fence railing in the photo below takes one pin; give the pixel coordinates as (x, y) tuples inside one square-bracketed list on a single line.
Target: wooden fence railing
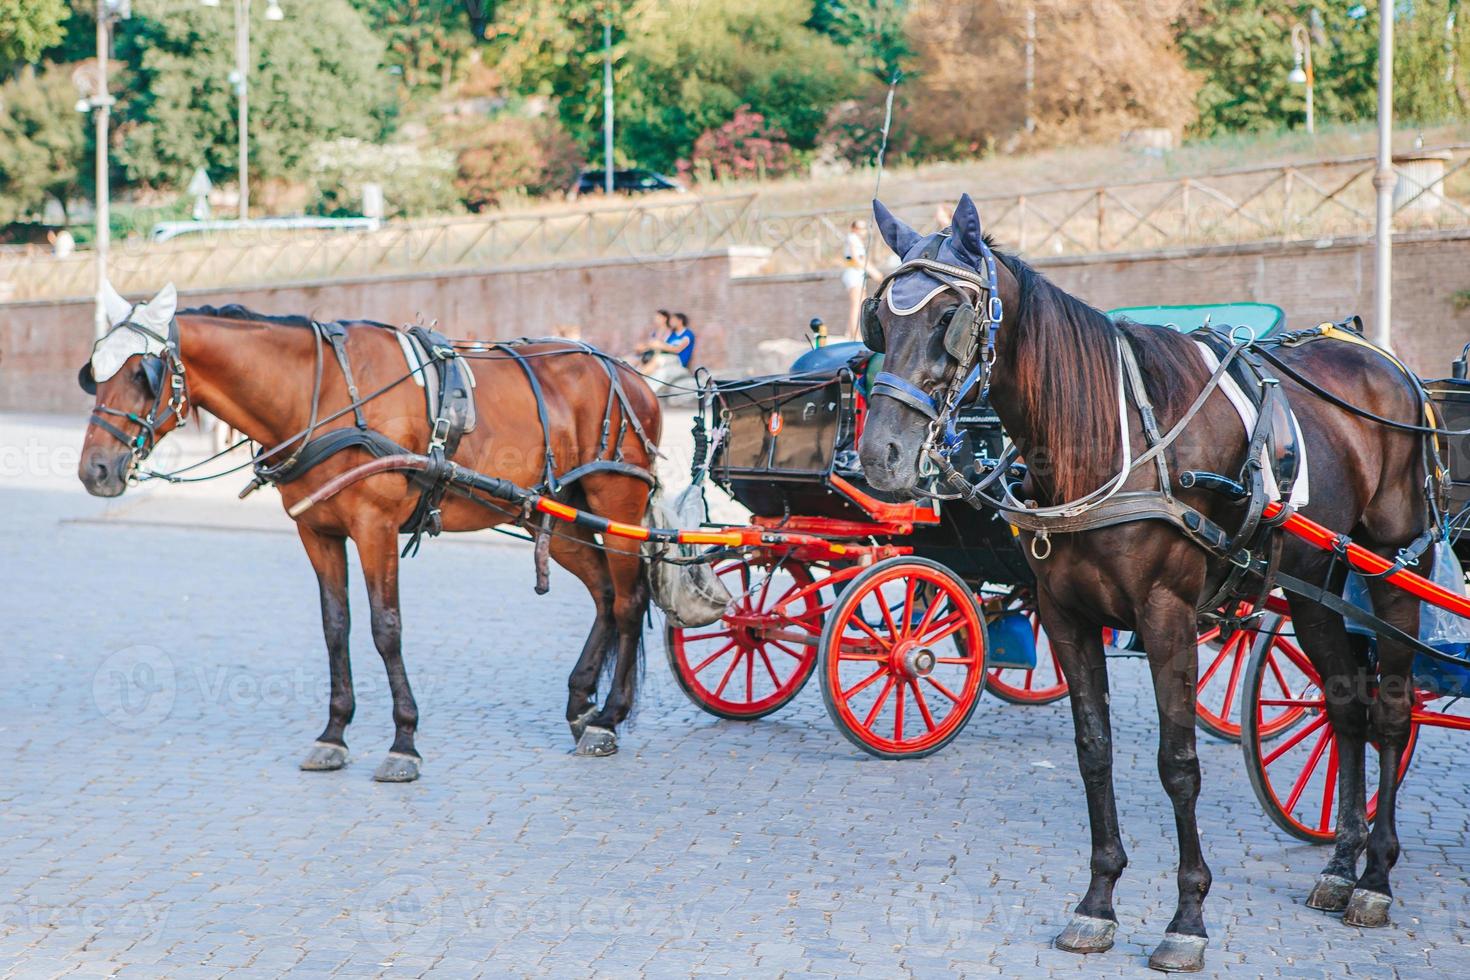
[(1292, 202)]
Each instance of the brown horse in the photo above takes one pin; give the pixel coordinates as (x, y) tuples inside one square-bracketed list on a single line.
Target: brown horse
[(1055, 383), (258, 374)]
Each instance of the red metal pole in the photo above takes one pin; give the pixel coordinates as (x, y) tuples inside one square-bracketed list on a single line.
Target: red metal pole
[(1366, 561)]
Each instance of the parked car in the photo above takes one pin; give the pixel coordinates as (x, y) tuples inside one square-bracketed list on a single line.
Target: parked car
[(625, 182)]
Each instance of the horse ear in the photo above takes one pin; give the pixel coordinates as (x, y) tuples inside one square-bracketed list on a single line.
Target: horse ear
[(966, 225), (113, 304), (159, 311), (899, 236)]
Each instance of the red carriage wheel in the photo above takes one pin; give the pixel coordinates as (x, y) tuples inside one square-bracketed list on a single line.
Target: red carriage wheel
[(1219, 692), (896, 682), (762, 653), (1290, 748), (1043, 684)]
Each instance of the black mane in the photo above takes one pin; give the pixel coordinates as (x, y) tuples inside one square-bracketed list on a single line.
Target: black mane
[(234, 311)]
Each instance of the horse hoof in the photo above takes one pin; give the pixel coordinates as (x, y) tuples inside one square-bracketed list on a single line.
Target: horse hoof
[(398, 768), (1330, 893), (1179, 953), (324, 757), (1086, 934), (597, 742), (578, 724), (1367, 910)]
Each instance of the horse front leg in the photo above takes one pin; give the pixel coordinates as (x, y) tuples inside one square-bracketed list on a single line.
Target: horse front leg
[(377, 547), (328, 555), (1078, 647), (1167, 625), (574, 549), (1391, 716)]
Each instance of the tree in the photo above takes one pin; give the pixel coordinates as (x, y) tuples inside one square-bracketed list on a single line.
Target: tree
[(27, 28), (743, 148), (1101, 68), (872, 28), (682, 67), (427, 39), (43, 142), (1242, 49), (311, 82)]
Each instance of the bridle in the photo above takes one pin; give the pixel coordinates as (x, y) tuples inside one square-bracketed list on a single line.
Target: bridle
[(969, 340), (170, 398)]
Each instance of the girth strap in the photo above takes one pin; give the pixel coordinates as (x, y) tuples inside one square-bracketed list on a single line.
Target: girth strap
[(549, 478)]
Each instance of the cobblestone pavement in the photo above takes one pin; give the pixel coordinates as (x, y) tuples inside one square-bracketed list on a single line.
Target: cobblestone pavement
[(163, 678)]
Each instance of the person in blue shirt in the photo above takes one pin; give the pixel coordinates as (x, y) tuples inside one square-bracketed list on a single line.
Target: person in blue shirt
[(678, 345)]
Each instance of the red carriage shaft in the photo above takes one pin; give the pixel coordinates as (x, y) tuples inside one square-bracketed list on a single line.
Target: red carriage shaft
[(1366, 561), (507, 491)]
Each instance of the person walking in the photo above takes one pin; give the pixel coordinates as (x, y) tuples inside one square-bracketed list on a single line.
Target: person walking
[(855, 272)]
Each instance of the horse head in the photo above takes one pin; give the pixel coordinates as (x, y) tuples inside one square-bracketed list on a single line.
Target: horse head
[(137, 378), (934, 320)]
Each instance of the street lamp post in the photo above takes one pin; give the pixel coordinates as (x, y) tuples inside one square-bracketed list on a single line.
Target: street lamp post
[(1302, 74), (240, 77), (100, 102), (1384, 180), (607, 106)]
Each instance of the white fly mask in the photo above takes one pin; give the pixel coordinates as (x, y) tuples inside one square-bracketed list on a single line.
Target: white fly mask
[(141, 329)]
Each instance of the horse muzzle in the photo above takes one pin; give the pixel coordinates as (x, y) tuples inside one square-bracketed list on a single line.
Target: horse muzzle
[(105, 474)]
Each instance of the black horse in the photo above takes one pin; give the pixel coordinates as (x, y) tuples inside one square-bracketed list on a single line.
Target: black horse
[(1056, 384)]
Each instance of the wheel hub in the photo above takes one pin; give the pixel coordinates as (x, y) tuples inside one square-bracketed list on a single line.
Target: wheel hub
[(915, 661)]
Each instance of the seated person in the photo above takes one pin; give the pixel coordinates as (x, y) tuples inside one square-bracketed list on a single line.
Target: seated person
[(671, 356)]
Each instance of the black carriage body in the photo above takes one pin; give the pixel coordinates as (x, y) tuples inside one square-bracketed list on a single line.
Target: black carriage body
[(1451, 398), (791, 450)]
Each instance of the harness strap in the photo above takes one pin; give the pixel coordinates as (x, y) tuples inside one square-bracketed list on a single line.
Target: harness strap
[(1146, 413), (549, 478), (899, 389), (336, 334)]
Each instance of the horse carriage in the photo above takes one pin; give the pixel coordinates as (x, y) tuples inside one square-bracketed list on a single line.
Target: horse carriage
[(784, 448)]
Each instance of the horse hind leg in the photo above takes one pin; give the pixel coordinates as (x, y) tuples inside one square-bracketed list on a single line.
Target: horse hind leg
[(1391, 716), (1344, 670), (574, 550), (1080, 651), (377, 547), (623, 499)]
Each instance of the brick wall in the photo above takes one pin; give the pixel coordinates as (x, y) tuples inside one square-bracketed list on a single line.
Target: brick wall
[(42, 344)]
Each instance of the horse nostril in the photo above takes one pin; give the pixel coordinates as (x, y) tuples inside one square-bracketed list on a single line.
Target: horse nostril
[(893, 453), (101, 470)]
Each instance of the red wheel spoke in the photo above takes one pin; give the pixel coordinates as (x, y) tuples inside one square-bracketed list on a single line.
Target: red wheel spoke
[(1291, 702), (949, 625), (750, 677), (908, 605), (882, 643), (943, 690), (740, 655), (847, 694), (893, 629), (934, 604), (713, 657), (765, 658), (695, 637), (1214, 666), (1235, 669), (786, 649), (1292, 742), (923, 705), (878, 704), (877, 658), (898, 715), (1330, 790), (1280, 677), (1307, 770), (1027, 685)]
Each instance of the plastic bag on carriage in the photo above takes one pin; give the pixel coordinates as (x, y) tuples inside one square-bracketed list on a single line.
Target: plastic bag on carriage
[(689, 594), (1440, 627)]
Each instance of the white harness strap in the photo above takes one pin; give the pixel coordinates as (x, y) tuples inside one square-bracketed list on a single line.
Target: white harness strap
[(1301, 490)]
